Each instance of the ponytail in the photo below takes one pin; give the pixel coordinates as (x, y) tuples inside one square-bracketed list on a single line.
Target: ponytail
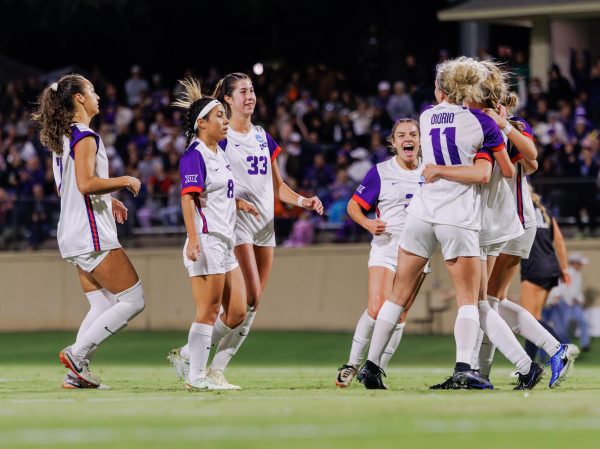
[(192, 100), (56, 110)]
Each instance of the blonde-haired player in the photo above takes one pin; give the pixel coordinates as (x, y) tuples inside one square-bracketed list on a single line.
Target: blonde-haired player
[(87, 234), (456, 142), (389, 187), (209, 208)]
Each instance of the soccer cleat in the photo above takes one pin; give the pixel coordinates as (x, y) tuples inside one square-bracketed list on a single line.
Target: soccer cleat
[(218, 378), (345, 375), (370, 376), (79, 367), (448, 384), (470, 380), (71, 382), (531, 379), (561, 364), (204, 384), (181, 364)]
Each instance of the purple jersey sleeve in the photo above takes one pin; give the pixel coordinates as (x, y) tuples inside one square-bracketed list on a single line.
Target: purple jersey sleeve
[(274, 148), (192, 170), (492, 136), (77, 135), (513, 153), (368, 191)]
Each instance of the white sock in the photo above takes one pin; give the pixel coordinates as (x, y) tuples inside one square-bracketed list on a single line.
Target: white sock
[(386, 322), (475, 359), (502, 337), (523, 323), (466, 330), (220, 330), (485, 356), (392, 346), (100, 301), (199, 344), (232, 342), (361, 338), (129, 304), (184, 351)]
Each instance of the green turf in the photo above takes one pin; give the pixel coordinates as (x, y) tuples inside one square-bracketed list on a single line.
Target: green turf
[(288, 400)]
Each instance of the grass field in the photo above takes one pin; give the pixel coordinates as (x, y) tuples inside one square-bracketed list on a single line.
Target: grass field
[(288, 399)]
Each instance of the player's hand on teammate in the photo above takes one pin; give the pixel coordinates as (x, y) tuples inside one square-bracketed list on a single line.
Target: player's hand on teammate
[(313, 203), (133, 185), (376, 227), (192, 250), (431, 173), (247, 207), (119, 211), (498, 118)]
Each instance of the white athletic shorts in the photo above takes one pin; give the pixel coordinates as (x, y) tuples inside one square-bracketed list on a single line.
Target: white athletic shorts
[(265, 237), (216, 257), (384, 252), (493, 249), (421, 238), (89, 261), (521, 246)]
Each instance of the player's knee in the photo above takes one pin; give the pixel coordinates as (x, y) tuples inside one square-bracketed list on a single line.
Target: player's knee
[(235, 318), (375, 303), (134, 296), (254, 297)]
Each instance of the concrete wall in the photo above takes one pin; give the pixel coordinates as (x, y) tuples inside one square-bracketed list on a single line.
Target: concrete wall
[(317, 288)]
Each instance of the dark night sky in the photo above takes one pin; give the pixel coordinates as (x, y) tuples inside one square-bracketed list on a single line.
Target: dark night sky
[(168, 36)]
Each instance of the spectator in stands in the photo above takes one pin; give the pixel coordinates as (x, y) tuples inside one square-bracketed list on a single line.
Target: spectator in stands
[(400, 104), (136, 86), (559, 87)]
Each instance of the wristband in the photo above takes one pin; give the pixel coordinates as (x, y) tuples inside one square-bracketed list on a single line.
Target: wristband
[(507, 129), (300, 200)]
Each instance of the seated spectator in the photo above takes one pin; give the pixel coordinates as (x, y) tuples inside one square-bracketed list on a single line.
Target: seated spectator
[(400, 104)]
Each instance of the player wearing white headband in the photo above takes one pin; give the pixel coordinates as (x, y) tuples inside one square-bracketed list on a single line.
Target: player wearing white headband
[(208, 203), (252, 153)]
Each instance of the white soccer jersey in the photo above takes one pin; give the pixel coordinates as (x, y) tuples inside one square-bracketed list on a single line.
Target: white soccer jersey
[(250, 156), (86, 222), (499, 222), (389, 188), (454, 135), (209, 175), (518, 183)]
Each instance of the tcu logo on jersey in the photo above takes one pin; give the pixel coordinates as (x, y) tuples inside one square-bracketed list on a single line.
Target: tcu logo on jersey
[(191, 178), (263, 144), (360, 188)]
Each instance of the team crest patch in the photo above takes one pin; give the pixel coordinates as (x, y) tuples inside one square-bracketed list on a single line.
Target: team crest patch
[(191, 178), (262, 142)]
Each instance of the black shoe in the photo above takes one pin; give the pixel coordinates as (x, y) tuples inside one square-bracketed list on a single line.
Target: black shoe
[(470, 380), (448, 384), (530, 380), (370, 376)]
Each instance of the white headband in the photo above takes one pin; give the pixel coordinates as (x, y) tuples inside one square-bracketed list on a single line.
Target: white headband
[(204, 112), (54, 86)]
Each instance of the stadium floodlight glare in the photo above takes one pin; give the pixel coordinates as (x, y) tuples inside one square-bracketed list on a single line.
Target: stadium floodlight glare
[(258, 68)]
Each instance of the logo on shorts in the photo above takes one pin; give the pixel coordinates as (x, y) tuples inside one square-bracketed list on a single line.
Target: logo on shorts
[(360, 188), (191, 178)]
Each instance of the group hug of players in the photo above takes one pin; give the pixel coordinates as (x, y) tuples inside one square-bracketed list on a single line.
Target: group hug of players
[(457, 178)]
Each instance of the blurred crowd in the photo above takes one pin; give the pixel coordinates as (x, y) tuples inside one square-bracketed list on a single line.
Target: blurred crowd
[(331, 134)]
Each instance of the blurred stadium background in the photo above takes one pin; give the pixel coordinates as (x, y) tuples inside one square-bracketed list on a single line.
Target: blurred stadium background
[(331, 77)]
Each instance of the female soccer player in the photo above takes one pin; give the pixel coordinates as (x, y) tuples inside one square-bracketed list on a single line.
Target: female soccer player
[(87, 235), (209, 206), (388, 186), (500, 224), (251, 152), (446, 209), (523, 154)]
